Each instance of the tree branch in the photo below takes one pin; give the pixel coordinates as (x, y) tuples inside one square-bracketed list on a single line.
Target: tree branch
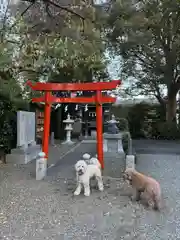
[(22, 14), (33, 2), (47, 5), (65, 9)]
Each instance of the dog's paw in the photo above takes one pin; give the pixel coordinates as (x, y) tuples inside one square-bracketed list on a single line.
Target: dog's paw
[(87, 193), (101, 188), (76, 193)]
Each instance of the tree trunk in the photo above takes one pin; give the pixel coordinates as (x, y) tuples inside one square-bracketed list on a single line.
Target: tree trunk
[(171, 106)]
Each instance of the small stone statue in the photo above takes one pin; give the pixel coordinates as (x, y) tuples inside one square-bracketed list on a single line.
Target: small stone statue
[(112, 126)]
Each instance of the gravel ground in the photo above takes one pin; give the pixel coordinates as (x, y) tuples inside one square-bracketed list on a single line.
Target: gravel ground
[(36, 210), (47, 210)]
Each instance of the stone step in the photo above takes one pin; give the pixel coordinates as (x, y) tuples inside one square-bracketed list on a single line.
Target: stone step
[(18, 156), (27, 151), (89, 141), (115, 164)]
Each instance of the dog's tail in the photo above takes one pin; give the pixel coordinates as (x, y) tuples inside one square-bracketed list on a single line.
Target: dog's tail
[(86, 156), (95, 161)]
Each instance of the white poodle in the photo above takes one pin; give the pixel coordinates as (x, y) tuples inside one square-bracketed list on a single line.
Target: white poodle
[(92, 160), (84, 173)]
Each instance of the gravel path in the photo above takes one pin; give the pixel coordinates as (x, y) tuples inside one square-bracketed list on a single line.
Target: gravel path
[(37, 210)]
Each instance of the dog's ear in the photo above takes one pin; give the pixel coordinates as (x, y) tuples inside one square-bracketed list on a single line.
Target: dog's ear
[(76, 165), (85, 164)]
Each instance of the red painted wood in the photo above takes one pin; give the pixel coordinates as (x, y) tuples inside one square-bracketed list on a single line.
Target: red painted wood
[(47, 114), (99, 127), (74, 86), (39, 99), (76, 100)]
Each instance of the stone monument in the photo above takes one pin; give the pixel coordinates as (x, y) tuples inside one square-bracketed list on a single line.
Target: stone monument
[(27, 149), (114, 156)]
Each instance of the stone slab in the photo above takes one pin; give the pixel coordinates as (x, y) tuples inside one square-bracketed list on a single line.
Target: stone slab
[(112, 136), (19, 156), (27, 150), (113, 145), (114, 156), (115, 164), (89, 141), (25, 128)]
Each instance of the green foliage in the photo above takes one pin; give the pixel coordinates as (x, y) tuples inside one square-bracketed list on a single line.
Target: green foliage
[(55, 54), (9, 83), (120, 111), (149, 121), (71, 54), (66, 54), (8, 120), (168, 131), (122, 124), (136, 119), (11, 94), (6, 117), (146, 34), (143, 119)]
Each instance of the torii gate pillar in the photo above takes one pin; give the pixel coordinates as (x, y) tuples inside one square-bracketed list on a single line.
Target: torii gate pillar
[(99, 128)]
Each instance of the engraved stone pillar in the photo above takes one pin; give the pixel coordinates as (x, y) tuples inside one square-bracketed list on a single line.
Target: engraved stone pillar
[(114, 156)]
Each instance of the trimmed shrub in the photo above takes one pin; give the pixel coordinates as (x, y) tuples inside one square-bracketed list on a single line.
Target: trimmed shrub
[(8, 121), (7, 111), (165, 130), (122, 124), (142, 119)]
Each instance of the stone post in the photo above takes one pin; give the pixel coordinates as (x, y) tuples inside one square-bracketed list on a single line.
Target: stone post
[(130, 161), (41, 166)]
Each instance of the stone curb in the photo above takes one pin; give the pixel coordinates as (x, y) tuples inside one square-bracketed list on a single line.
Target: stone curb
[(130, 161)]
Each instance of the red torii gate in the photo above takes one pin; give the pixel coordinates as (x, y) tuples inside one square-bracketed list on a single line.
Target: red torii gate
[(98, 99)]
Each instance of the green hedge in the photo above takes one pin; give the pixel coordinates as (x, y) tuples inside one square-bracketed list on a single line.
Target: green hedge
[(8, 121), (7, 111), (146, 121), (122, 124), (165, 130)]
